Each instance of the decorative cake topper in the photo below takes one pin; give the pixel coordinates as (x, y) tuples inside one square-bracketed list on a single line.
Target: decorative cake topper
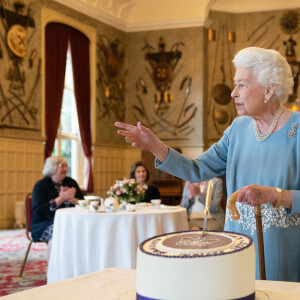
[(197, 242)]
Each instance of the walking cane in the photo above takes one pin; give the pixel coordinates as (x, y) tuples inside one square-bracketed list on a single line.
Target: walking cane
[(260, 242), (235, 215)]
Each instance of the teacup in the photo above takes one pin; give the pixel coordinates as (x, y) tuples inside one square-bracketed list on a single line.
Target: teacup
[(156, 202), (94, 206), (82, 203), (92, 198), (130, 207)]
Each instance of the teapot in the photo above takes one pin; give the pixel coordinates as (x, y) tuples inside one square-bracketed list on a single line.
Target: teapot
[(110, 204)]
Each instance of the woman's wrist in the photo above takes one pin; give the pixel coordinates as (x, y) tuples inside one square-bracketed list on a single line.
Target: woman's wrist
[(161, 151), (282, 198), (287, 198), (59, 200)]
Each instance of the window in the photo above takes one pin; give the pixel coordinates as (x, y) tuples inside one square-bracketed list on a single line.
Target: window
[(67, 143)]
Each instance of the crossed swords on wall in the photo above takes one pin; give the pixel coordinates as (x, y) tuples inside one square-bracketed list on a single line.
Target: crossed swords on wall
[(160, 122)]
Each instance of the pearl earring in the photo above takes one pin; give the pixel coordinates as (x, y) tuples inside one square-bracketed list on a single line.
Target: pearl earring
[(265, 101)]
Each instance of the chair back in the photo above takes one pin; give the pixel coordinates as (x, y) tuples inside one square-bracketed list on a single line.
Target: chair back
[(223, 203), (28, 214)]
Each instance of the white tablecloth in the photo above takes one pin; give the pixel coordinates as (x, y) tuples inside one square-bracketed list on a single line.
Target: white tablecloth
[(119, 284), (85, 242)]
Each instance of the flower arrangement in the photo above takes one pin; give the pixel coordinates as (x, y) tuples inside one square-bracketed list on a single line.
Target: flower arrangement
[(127, 189)]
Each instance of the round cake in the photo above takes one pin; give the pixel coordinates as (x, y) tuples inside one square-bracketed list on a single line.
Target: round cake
[(188, 265)]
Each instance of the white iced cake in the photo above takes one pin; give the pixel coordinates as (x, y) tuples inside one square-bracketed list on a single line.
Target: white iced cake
[(188, 266)]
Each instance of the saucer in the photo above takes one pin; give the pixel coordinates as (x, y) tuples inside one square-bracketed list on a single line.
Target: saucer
[(163, 206), (143, 204), (110, 210), (93, 211), (154, 206)]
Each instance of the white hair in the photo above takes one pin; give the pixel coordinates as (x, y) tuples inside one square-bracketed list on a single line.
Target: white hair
[(51, 164), (270, 68)]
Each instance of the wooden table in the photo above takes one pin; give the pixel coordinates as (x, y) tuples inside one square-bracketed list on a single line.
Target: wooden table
[(112, 284)]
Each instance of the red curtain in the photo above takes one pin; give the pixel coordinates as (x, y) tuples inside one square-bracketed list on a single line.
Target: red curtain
[(54, 85), (81, 74), (56, 55)]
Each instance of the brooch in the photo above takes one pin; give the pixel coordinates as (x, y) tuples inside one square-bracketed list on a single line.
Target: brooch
[(293, 131)]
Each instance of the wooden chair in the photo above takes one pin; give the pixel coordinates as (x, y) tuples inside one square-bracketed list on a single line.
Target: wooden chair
[(28, 218), (223, 203)]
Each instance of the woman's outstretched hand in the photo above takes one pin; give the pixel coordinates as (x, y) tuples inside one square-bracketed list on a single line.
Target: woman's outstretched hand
[(143, 138)]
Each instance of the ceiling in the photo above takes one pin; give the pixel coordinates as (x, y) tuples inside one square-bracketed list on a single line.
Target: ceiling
[(140, 15)]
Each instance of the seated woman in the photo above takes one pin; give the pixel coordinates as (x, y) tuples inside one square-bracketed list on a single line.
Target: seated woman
[(54, 191), (193, 199), (141, 175)]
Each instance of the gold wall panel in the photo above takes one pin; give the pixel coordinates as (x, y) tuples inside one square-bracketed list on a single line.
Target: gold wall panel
[(21, 164)]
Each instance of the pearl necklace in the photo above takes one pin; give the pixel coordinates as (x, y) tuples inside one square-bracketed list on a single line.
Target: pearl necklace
[(261, 137)]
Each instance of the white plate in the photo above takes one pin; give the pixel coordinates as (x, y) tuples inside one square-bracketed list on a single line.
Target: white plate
[(143, 204), (168, 207)]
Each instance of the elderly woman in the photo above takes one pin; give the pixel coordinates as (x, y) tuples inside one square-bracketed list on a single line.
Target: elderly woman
[(54, 191), (260, 154), (141, 174)]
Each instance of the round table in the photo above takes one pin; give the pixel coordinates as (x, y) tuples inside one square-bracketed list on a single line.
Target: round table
[(85, 242)]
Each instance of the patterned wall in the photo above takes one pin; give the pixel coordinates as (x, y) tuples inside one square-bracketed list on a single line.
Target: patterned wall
[(232, 33), (172, 107)]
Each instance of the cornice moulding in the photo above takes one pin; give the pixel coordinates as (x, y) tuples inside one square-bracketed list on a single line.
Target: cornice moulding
[(132, 27), (94, 13), (116, 21), (172, 24)]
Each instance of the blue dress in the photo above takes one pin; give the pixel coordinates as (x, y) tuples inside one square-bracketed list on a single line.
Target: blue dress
[(275, 163)]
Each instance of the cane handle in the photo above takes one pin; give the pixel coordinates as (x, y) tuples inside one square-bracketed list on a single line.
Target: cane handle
[(235, 215)]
